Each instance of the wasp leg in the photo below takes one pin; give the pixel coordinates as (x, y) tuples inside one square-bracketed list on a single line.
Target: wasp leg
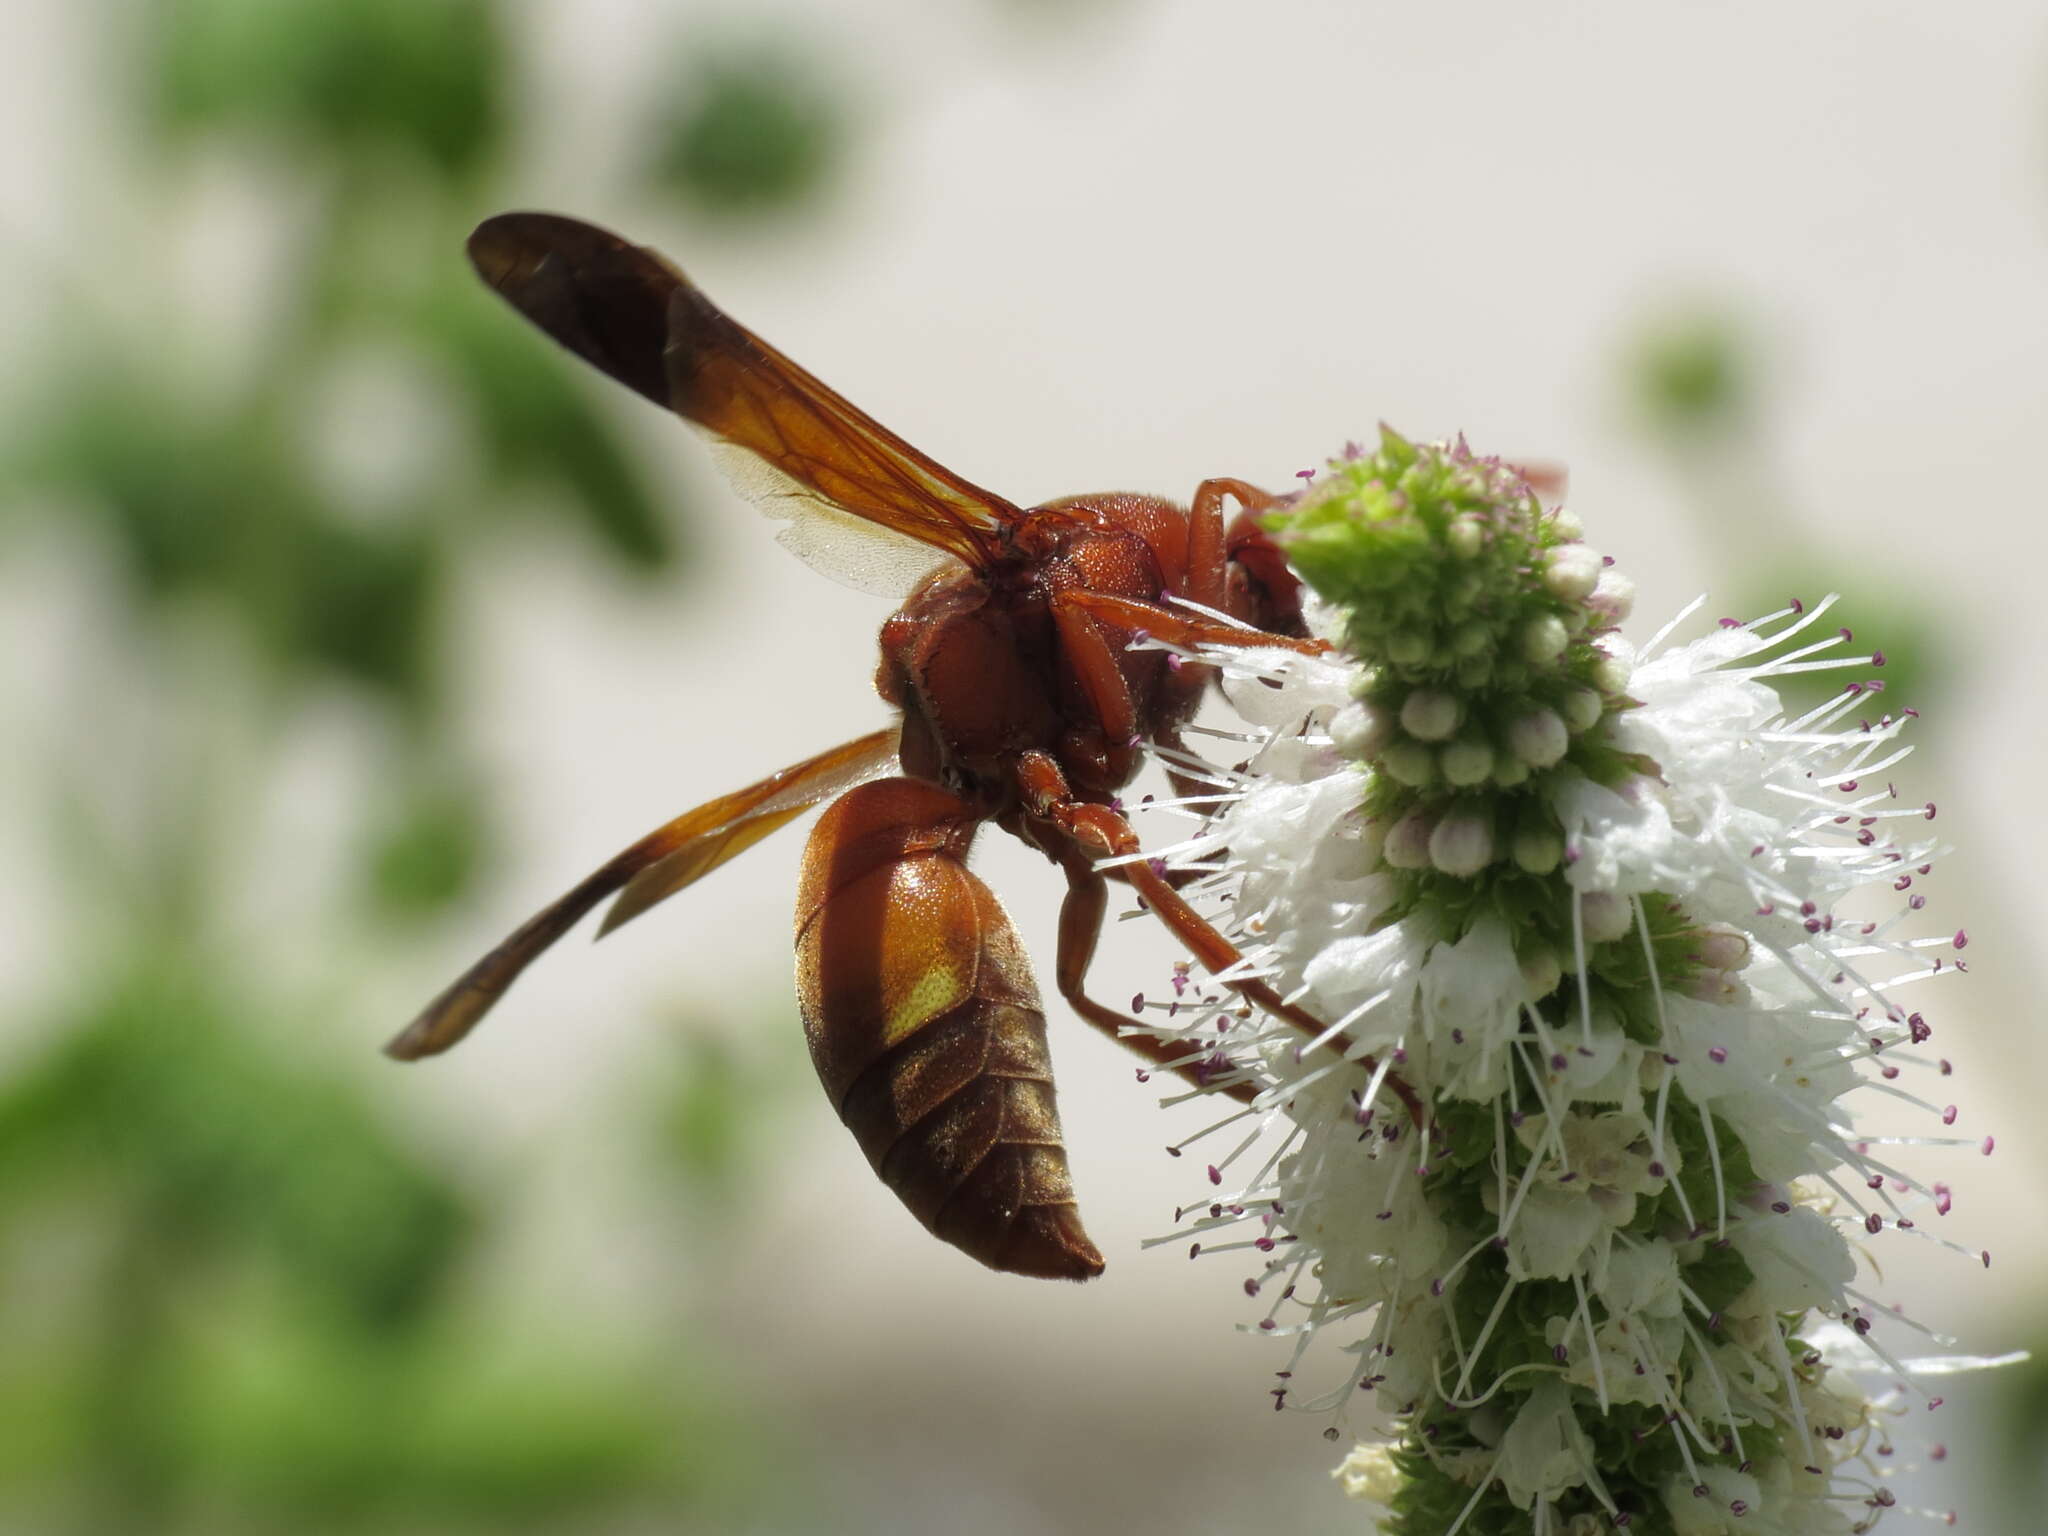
[(1210, 546), (1092, 651), (1081, 917), (1105, 833), (1181, 626), (1088, 622)]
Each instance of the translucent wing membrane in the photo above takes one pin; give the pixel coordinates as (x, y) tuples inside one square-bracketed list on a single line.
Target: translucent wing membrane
[(656, 867), (796, 447)]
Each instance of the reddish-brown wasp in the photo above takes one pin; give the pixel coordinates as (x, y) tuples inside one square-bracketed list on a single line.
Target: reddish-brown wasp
[(1021, 704)]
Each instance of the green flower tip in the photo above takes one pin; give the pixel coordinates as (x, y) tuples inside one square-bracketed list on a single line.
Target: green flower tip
[(1477, 616), (1449, 568)]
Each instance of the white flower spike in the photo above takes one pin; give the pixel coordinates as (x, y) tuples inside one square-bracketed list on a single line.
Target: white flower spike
[(1635, 941)]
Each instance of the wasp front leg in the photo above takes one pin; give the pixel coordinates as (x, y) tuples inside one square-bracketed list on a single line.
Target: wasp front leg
[(927, 1031), (1183, 627), (1235, 568), (1210, 544)]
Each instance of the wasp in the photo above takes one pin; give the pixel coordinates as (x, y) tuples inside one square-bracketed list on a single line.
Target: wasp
[(1020, 701)]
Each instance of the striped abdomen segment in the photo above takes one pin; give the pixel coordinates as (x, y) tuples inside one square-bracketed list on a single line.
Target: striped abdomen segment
[(927, 1032)]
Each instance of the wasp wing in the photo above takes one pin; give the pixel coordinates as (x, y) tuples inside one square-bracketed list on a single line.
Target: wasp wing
[(863, 505), (729, 826), (657, 866)]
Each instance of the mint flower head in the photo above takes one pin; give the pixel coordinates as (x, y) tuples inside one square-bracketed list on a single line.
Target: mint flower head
[(1610, 951)]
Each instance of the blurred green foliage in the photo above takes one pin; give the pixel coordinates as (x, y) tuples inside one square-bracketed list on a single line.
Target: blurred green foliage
[(757, 129), (714, 1119), (2019, 1417), (269, 1317), (1695, 375), (537, 419), (428, 75), (427, 848), (233, 1296)]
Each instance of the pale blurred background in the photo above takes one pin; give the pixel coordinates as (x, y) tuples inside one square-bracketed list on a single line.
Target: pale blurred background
[(342, 624)]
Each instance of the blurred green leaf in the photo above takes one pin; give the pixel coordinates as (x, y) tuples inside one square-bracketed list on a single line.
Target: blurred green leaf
[(720, 1109), (710, 1122), (291, 1415), (154, 464), (268, 1327), (1896, 625), (158, 1091), (1690, 371), (758, 130), (426, 852), (420, 73), (2022, 1410), (1696, 374), (363, 601), (205, 498), (538, 420)]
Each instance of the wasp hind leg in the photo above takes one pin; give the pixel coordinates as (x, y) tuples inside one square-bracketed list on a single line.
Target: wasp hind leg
[(1100, 832), (1081, 916)]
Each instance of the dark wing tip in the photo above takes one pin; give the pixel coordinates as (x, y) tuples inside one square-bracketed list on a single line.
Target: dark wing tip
[(405, 1045), (444, 1022), (507, 248), (602, 297), (417, 1040)]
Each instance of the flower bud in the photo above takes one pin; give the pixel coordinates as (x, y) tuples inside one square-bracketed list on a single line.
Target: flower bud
[(1407, 647), (1571, 571), (1583, 708), (1539, 738), (1361, 730), (1611, 675), (1538, 849), (1613, 597), (1723, 949), (1544, 639), (1605, 916), (1462, 843), (1542, 971), (1410, 763), (1429, 714), (1407, 845), (1509, 770), (1471, 638), (1466, 761), (1465, 537)]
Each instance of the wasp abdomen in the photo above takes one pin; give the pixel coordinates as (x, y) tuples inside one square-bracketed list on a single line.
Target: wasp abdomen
[(926, 1029)]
